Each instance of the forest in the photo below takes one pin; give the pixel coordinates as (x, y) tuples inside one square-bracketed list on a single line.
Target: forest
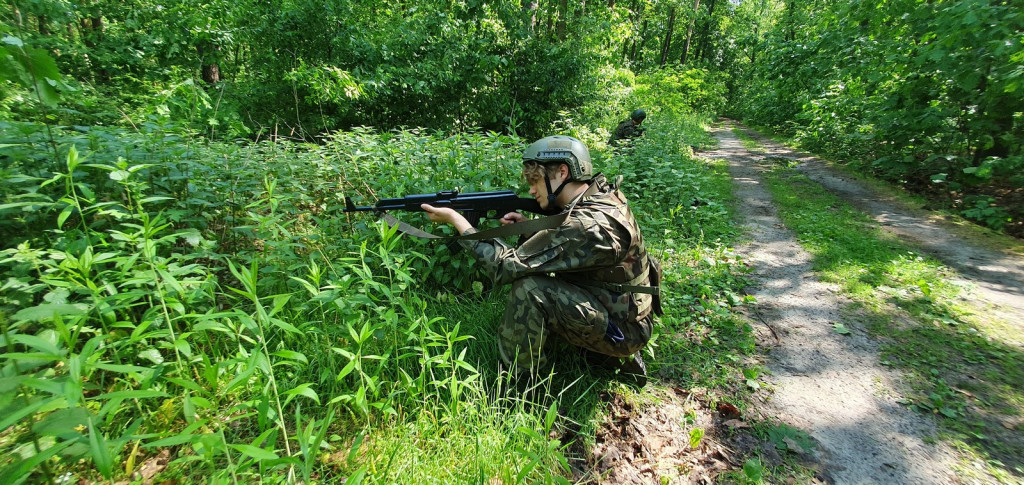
[(182, 298)]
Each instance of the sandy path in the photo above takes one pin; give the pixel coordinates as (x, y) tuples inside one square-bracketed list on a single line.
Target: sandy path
[(827, 384)]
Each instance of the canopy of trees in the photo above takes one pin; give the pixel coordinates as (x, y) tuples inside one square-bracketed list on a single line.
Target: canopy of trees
[(301, 68), (929, 94)]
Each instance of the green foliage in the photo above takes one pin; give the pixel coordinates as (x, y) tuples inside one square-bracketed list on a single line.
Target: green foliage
[(697, 90), (211, 300), (905, 92), (31, 67), (216, 298), (302, 69), (169, 293)]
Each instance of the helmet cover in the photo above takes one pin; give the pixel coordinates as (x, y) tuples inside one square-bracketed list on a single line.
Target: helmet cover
[(562, 149)]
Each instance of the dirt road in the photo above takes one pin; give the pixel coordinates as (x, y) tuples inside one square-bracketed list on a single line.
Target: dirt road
[(830, 385), (996, 277)]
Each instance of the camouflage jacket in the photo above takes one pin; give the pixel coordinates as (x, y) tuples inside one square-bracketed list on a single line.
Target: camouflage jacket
[(626, 129), (599, 242)]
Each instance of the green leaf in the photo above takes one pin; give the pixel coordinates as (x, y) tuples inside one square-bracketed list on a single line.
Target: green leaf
[(549, 419), (292, 355), (841, 329), (38, 342), (16, 414), (152, 355), (255, 452), (753, 469), (9, 40), (303, 390), (356, 478), (696, 435), (47, 311), (100, 451), (926, 289), (62, 421)]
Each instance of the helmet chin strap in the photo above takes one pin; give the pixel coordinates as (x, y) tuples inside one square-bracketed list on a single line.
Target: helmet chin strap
[(552, 195)]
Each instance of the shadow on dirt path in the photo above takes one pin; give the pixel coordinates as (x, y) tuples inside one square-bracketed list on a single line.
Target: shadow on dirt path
[(829, 385), (996, 276)]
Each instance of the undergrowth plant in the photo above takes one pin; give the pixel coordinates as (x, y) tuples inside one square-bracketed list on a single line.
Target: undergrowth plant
[(206, 310)]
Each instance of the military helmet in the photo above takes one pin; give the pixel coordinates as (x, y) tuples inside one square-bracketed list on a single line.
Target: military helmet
[(638, 115), (562, 149)]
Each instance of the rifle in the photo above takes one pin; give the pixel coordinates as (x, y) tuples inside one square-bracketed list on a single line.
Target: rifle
[(473, 205)]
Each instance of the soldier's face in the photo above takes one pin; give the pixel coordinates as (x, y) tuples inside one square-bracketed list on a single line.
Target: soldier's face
[(539, 191)]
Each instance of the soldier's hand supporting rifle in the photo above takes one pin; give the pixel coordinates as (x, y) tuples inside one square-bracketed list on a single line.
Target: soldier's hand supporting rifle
[(447, 215)]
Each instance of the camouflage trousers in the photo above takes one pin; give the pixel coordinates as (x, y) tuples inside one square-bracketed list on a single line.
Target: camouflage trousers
[(540, 306)]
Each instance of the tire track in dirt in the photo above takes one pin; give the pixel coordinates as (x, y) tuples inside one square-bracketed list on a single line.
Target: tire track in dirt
[(995, 278), (829, 385)]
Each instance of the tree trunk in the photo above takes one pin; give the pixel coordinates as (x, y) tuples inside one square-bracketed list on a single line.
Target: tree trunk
[(85, 33), (689, 31), (551, 21), (563, 17), (791, 20), (668, 35), (91, 30), (530, 13), (638, 51), (705, 41), (632, 25), (209, 62)]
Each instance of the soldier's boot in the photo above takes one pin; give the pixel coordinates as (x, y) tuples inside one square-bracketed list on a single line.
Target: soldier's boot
[(635, 368), (632, 367)]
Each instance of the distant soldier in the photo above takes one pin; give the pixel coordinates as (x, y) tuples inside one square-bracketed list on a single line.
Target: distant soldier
[(588, 281), (629, 128)]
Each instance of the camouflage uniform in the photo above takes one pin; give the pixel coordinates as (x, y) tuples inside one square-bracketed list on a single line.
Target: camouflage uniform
[(556, 276), (625, 130)]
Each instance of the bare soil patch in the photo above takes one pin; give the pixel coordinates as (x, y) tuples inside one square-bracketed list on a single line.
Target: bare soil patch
[(651, 443)]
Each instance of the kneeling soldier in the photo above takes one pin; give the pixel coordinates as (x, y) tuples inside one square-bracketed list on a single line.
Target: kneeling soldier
[(588, 281)]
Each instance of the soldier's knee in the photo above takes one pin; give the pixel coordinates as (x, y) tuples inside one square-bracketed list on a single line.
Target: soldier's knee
[(528, 289)]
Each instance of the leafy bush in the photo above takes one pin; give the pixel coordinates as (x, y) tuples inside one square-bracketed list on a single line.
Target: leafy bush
[(699, 90)]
